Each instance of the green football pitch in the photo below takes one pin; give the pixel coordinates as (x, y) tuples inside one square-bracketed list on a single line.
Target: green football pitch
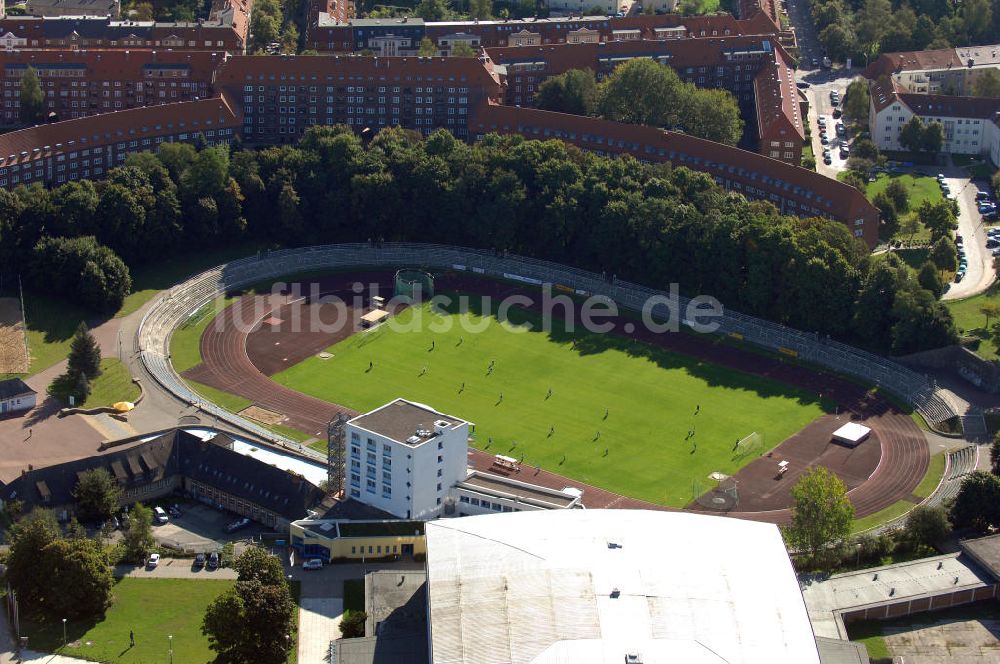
[(599, 408)]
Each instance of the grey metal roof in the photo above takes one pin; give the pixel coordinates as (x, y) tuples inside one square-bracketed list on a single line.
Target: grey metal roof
[(14, 387)]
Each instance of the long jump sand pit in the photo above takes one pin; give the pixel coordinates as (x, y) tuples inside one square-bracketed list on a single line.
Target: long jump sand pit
[(13, 346)]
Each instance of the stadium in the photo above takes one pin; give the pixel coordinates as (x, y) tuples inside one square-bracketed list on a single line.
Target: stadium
[(721, 422)]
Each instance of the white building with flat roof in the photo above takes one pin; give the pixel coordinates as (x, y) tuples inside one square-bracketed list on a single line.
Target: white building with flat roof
[(405, 457), (613, 586)]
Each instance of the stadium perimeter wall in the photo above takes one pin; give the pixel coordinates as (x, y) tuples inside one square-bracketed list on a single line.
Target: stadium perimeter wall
[(171, 308)]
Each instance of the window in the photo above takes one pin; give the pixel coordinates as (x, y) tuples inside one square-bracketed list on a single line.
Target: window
[(440, 458), (439, 486)]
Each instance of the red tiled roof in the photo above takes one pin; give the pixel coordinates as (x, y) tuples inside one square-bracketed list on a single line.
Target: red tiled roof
[(889, 63), (134, 124), (777, 101), (839, 201), (682, 52), (118, 64), (241, 68)]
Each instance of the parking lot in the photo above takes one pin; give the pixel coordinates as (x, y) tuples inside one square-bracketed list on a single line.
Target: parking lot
[(201, 529)]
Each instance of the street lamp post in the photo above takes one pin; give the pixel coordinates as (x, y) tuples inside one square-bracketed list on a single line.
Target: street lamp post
[(64, 632), (170, 649), (288, 647), (858, 561)]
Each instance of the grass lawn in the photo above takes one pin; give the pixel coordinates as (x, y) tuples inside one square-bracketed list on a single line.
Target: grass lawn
[(113, 385), (891, 512), (51, 323), (230, 402), (153, 609), (185, 343), (920, 187), (933, 477), (354, 594), (699, 7), (872, 632), (147, 281), (972, 323), (618, 416)]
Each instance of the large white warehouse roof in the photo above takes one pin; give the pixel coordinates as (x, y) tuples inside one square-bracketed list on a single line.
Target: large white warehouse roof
[(595, 586)]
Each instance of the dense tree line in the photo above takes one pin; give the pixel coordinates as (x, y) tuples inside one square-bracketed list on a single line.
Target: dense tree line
[(862, 29), (643, 91), (649, 223)]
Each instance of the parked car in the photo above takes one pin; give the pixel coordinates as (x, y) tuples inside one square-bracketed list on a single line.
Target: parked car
[(213, 560), (837, 113), (824, 140), (815, 63), (841, 130), (845, 152), (199, 561), (986, 208), (115, 523), (154, 560), (175, 511), (958, 240), (827, 159), (982, 196), (996, 252), (237, 525), (160, 515), (992, 242), (312, 563), (959, 276)]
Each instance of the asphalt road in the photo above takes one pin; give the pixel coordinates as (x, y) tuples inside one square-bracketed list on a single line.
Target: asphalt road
[(979, 274)]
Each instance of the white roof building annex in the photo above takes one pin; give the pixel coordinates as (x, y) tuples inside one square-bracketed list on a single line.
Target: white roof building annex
[(596, 586)]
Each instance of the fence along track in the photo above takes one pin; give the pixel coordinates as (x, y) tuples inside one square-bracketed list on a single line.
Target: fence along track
[(171, 308)]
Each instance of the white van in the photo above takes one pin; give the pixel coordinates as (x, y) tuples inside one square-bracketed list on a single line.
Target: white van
[(159, 515)]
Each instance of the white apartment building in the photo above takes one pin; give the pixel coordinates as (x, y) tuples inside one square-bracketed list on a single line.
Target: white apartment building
[(969, 122), (405, 457)]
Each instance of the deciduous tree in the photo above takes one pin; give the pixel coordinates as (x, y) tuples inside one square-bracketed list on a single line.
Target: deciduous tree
[(822, 514), (930, 279), (977, 505), (32, 97), (926, 526), (138, 538), (97, 494), (253, 621), (574, 91)]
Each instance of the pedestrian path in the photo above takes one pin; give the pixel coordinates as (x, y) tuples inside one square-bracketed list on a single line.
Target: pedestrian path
[(319, 624)]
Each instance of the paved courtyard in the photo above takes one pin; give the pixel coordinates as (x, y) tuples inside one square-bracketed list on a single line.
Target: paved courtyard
[(948, 642)]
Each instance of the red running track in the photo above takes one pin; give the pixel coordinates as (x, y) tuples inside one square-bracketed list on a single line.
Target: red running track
[(904, 458)]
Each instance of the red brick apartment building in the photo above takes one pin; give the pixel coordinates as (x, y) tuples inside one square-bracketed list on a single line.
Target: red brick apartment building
[(89, 147), (754, 69), (331, 32), (227, 30), (87, 82), (274, 99), (793, 190), (280, 97)]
